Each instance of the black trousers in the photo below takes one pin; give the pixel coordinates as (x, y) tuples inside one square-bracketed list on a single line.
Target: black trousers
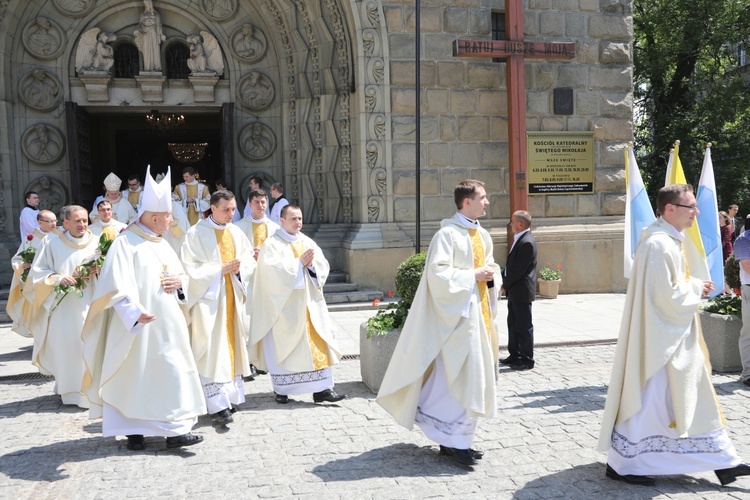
[(520, 332)]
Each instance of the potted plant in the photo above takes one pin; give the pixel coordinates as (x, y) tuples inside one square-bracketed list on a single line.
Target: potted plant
[(549, 279), (378, 335), (721, 322)]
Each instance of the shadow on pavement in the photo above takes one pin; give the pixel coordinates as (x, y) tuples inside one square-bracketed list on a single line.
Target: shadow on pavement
[(47, 463), (50, 403), (588, 481), (570, 399), (397, 460), (22, 354)]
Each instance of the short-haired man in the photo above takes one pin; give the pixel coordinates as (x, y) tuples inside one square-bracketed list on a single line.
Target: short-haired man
[(742, 255), (732, 213), (291, 335), (278, 202), (141, 378), (18, 306), (519, 283), (442, 374), (27, 220), (134, 191), (661, 414), (219, 260), (105, 223), (58, 349), (194, 196), (255, 184)]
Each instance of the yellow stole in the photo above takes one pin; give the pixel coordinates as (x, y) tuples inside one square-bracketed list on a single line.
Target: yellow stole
[(318, 346), (191, 191), (134, 197), (477, 249), (226, 249), (260, 233)]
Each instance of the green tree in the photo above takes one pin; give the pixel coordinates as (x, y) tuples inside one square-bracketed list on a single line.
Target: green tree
[(689, 86)]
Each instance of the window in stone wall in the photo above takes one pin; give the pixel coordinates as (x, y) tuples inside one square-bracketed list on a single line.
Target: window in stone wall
[(498, 31), (126, 60), (177, 55)]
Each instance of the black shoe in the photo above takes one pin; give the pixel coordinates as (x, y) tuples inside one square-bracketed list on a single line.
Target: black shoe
[(510, 360), (249, 378), (135, 442), (463, 457), (746, 381), (220, 418), (184, 440), (479, 455), (328, 395), (632, 479), (281, 399), (727, 476), (258, 371), (520, 366)]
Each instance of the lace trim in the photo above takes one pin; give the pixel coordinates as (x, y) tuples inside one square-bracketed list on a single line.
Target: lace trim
[(714, 442), (298, 378), (461, 427)]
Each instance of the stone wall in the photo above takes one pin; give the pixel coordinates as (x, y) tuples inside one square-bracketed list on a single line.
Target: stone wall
[(464, 103)]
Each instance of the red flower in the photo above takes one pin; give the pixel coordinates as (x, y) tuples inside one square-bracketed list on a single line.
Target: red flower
[(390, 293), (375, 302), (29, 237)]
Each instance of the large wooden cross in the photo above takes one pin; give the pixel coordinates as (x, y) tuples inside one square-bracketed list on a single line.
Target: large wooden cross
[(515, 49)]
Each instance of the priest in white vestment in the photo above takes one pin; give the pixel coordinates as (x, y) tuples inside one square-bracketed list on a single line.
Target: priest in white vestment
[(122, 210), (141, 377), (219, 260), (291, 335), (194, 196), (442, 374), (662, 414), (57, 326), (106, 223), (134, 191), (18, 307)]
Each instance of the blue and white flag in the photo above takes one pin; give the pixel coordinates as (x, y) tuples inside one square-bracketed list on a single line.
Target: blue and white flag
[(638, 211), (708, 222)]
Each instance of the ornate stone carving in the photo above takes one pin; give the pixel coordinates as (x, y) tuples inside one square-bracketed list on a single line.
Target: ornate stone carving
[(255, 91), (149, 36), (43, 144), (40, 90), (43, 38), (93, 53), (219, 10), (248, 43), (52, 193), (74, 8), (205, 54), (257, 141)]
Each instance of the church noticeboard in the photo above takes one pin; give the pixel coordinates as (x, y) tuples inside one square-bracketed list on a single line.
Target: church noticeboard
[(560, 162)]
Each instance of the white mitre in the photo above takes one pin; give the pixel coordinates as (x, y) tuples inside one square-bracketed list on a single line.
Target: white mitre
[(112, 182), (157, 195)]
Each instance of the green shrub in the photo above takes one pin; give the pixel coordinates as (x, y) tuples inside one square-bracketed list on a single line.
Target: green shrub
[(408, 276), (725, 304), (732, 273)]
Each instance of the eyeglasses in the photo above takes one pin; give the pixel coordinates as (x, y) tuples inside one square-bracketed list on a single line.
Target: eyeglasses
[(689, 207), (49, 221), (133, 184)]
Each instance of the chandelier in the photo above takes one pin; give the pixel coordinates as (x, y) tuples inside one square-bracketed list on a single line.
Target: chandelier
[(164, 123), (189, 152)]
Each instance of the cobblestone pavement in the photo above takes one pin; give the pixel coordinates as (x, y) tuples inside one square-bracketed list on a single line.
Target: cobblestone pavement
[(540, 445)]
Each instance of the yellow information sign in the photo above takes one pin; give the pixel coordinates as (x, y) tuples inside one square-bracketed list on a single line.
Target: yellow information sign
[(560, 162)]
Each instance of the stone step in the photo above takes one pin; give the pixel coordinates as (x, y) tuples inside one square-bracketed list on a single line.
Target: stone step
[(337, 277), (360, 306), (339, 287), (367, 295)]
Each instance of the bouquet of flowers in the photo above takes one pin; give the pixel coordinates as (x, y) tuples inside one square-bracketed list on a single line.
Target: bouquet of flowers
[(28, 257), (85, 272), (549, 274)]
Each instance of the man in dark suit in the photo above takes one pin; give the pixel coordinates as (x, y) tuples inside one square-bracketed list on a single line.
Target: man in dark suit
[(519, 282)]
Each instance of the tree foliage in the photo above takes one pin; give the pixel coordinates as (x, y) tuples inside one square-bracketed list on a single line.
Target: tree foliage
[(689, 86)]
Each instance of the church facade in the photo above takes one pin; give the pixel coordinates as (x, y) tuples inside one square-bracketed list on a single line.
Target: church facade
[(320, 96)]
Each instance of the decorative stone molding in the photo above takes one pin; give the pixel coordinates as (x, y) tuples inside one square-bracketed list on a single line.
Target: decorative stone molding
[(203, 86), (249, 43), (43, 39), (52, 193), (219, 10), (97, 85), (93, 53), (205, 55), (74, 8), (43, 144), (257, 141), (40, 90), (152, 86), (255, 91)]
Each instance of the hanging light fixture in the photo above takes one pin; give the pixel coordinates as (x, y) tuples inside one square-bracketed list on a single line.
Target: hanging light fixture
[(164, 122), (188, 152)]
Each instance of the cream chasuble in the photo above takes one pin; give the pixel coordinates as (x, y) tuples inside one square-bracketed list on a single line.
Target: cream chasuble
[(122, 211), (202, 195), (58, 349), (111, 228), (141, 376), (446, 320)]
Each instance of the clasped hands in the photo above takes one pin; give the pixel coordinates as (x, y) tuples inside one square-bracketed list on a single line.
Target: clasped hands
[(231, 267), (484, 273), (307, 257)]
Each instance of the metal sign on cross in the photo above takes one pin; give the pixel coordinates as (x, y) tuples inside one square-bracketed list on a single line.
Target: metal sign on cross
[(515, 49)]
